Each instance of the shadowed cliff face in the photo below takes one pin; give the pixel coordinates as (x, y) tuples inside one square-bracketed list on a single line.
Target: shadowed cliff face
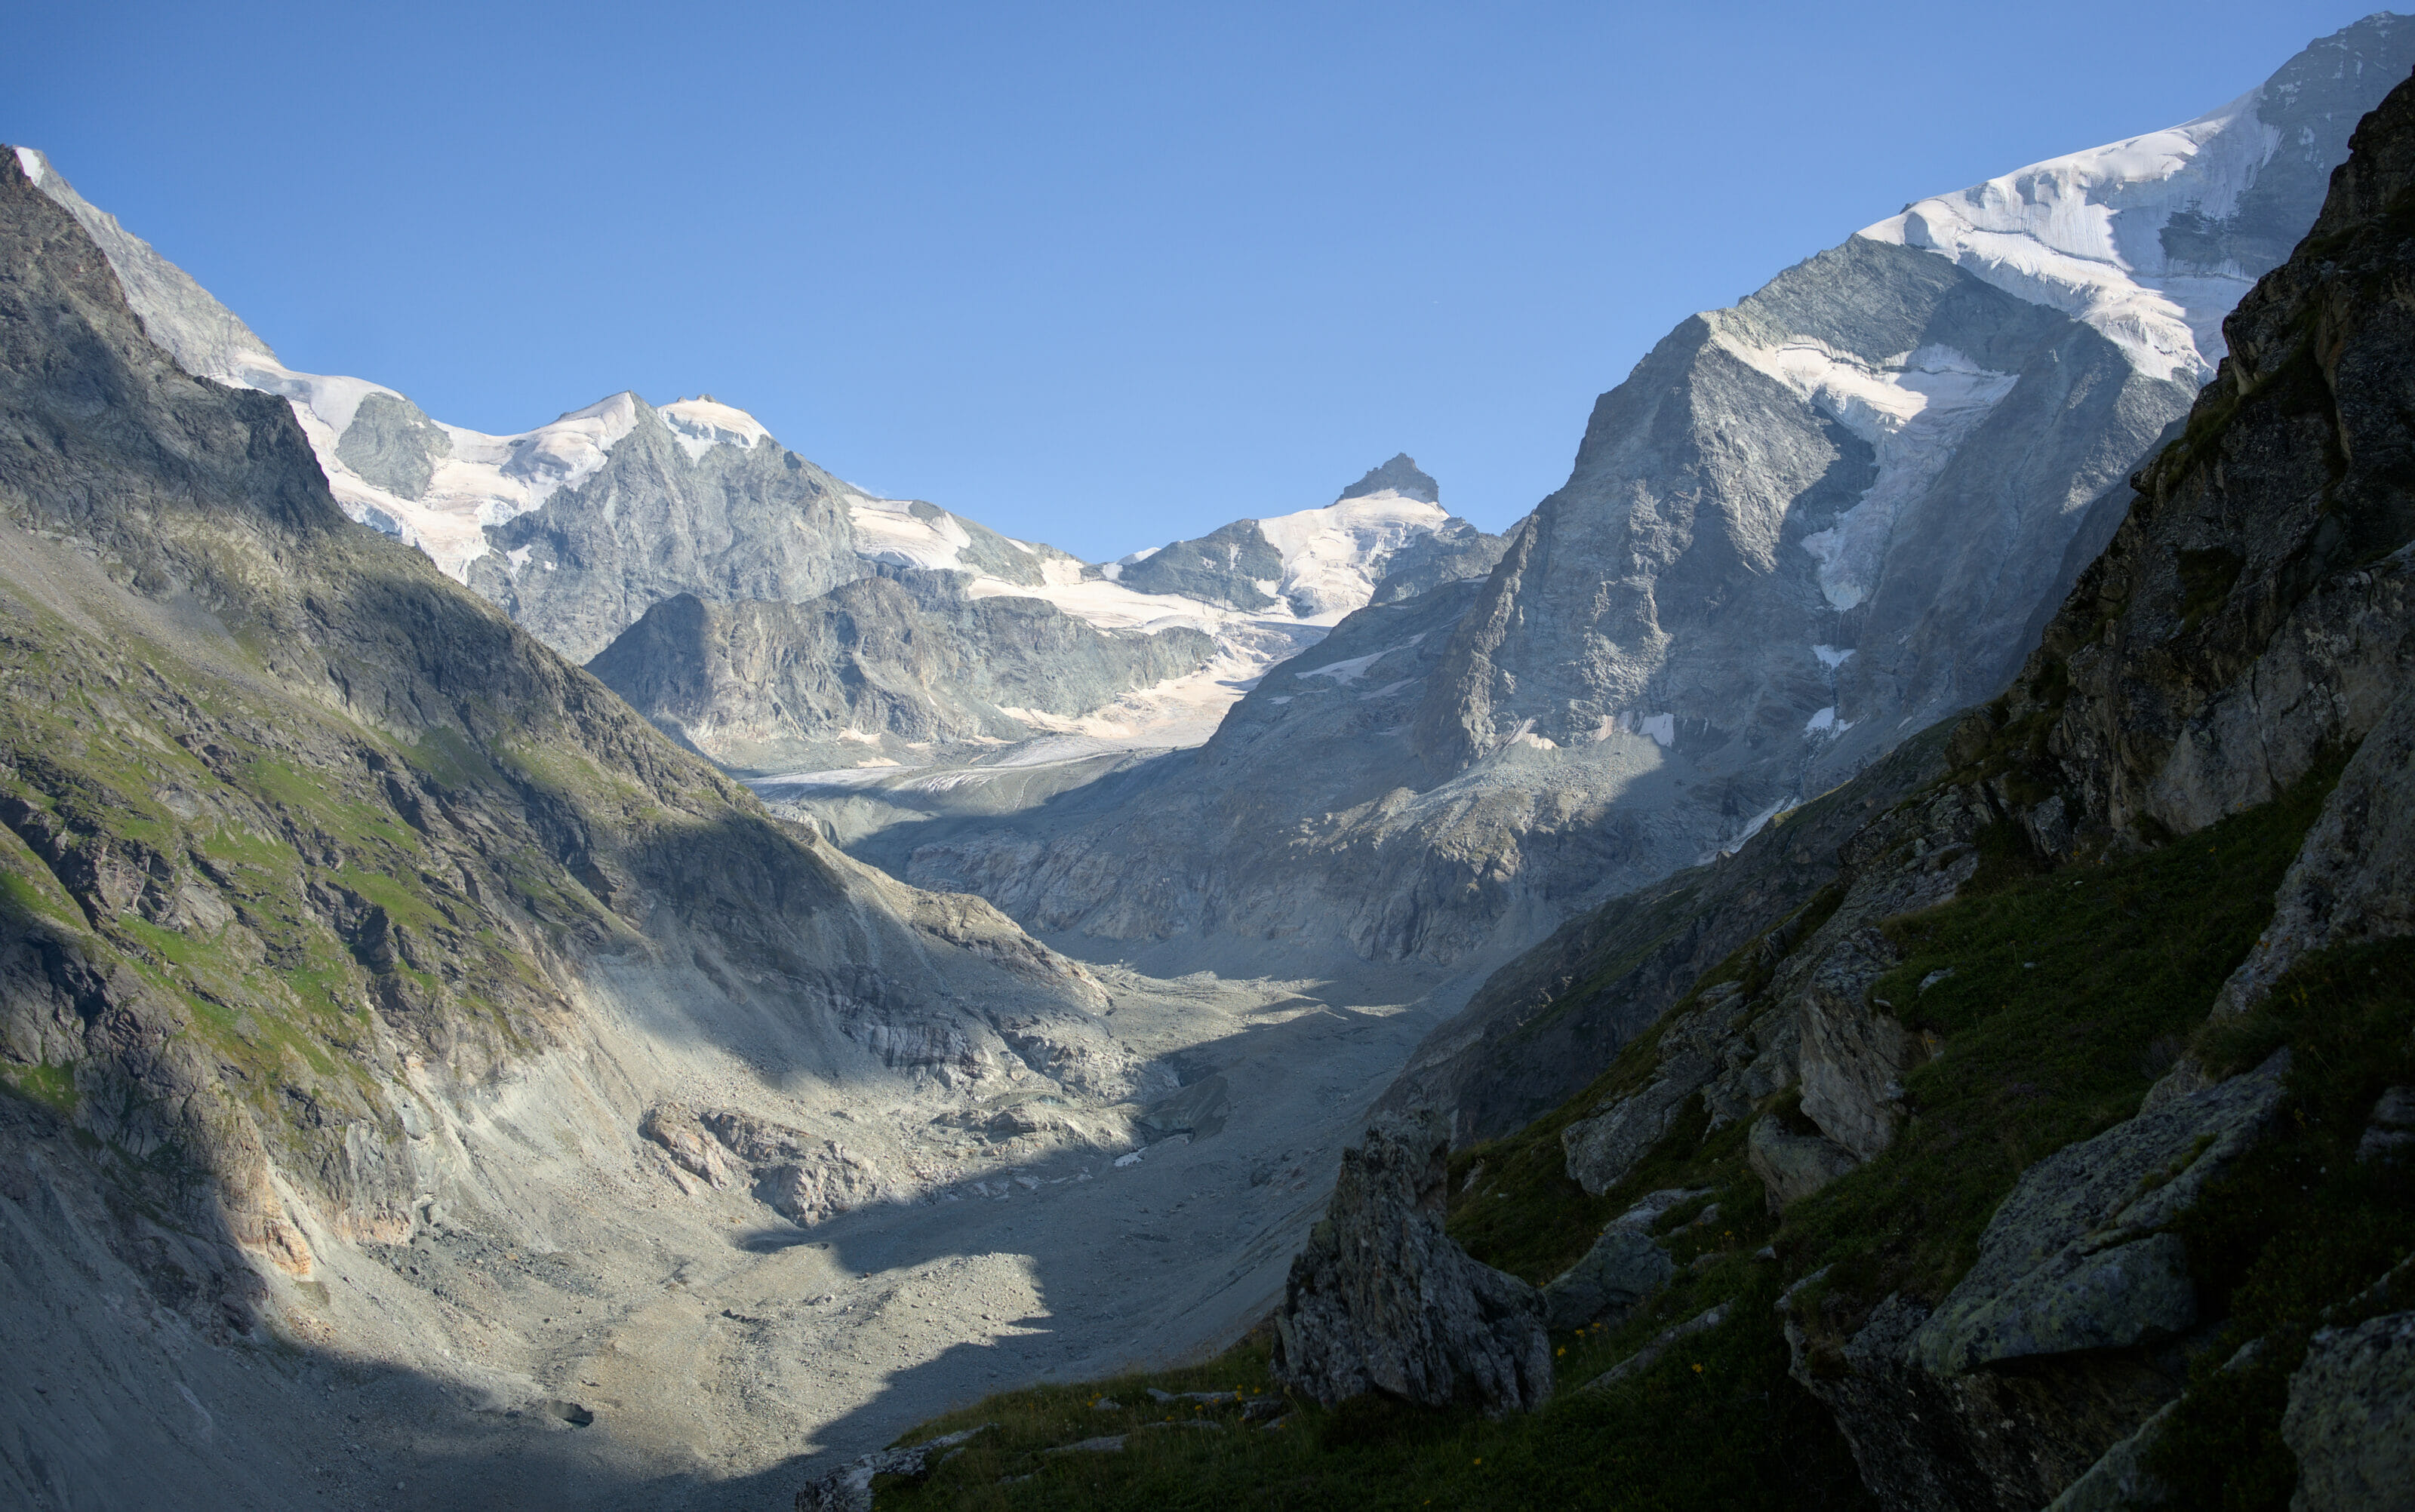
[(2247, 618)]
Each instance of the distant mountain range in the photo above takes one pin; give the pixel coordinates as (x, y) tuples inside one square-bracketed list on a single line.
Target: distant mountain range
[(1802, 528), (580, 527)]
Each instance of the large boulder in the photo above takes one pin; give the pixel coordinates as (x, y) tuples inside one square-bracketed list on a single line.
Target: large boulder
[(1382, 1300), (1855, 1051), (1603, 1149), (2351, 1417), (2077, 1257), (2019, 1383), (1792, 1166), (1624, 1266)]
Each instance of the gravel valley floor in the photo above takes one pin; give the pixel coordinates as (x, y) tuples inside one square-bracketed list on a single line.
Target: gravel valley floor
[(686, 1348)]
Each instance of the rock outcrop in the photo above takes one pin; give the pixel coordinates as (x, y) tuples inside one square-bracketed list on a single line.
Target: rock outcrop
[(848, 1488), (1624, 1268), (1382, 1299), (2249, 616), (780, 687), (2078, 1265), (2079, 1256), (2351, 1417)]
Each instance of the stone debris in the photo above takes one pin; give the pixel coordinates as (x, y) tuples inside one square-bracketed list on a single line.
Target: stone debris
[(1382, 1300), (848, 1488)]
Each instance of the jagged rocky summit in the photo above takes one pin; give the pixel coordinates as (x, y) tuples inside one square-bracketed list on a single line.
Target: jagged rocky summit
[(1803, 529)]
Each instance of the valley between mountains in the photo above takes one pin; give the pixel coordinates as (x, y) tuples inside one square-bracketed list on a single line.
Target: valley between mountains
[(1854, 956)]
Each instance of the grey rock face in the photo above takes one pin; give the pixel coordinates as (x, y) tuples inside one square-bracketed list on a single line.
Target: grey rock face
[(2390, 1133), (394, 445), (1382, 1299), (1624, 1267), (1234, 565), (1644, 1358), (848, 1488), (728, 524), (2353, 881), (1794, 1166), (2076, 1257), (803, 1179), (1924, 1441), (1854, 1052), (1602, 1149), (2248, 615), (2311, 104), (1525, 1042), (767, 685), (1747, 589), (2120, 1480), (1401, 475), (1454, 553), (676, 1130), (204, 338), (464, 862), (2351, 1417)]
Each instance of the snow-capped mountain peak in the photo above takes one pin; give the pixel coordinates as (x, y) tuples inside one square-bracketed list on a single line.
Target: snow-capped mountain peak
[(1334, 557), (2152, 240), (704, 422)]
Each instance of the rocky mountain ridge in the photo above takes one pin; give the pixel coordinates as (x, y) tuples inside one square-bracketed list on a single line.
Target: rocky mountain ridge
[(579, 526), (1803, 529), (2243, 635)]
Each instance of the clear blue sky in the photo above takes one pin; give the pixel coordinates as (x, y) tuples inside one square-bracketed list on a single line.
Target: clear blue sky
[(1100, 274)]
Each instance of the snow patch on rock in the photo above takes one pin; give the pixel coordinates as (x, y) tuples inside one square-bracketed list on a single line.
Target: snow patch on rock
[(1334, 557), (485, 480), (2081, 233), (1914, 409)]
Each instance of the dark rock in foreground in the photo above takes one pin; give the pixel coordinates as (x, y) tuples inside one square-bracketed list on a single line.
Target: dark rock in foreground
[(1383, 1300)]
